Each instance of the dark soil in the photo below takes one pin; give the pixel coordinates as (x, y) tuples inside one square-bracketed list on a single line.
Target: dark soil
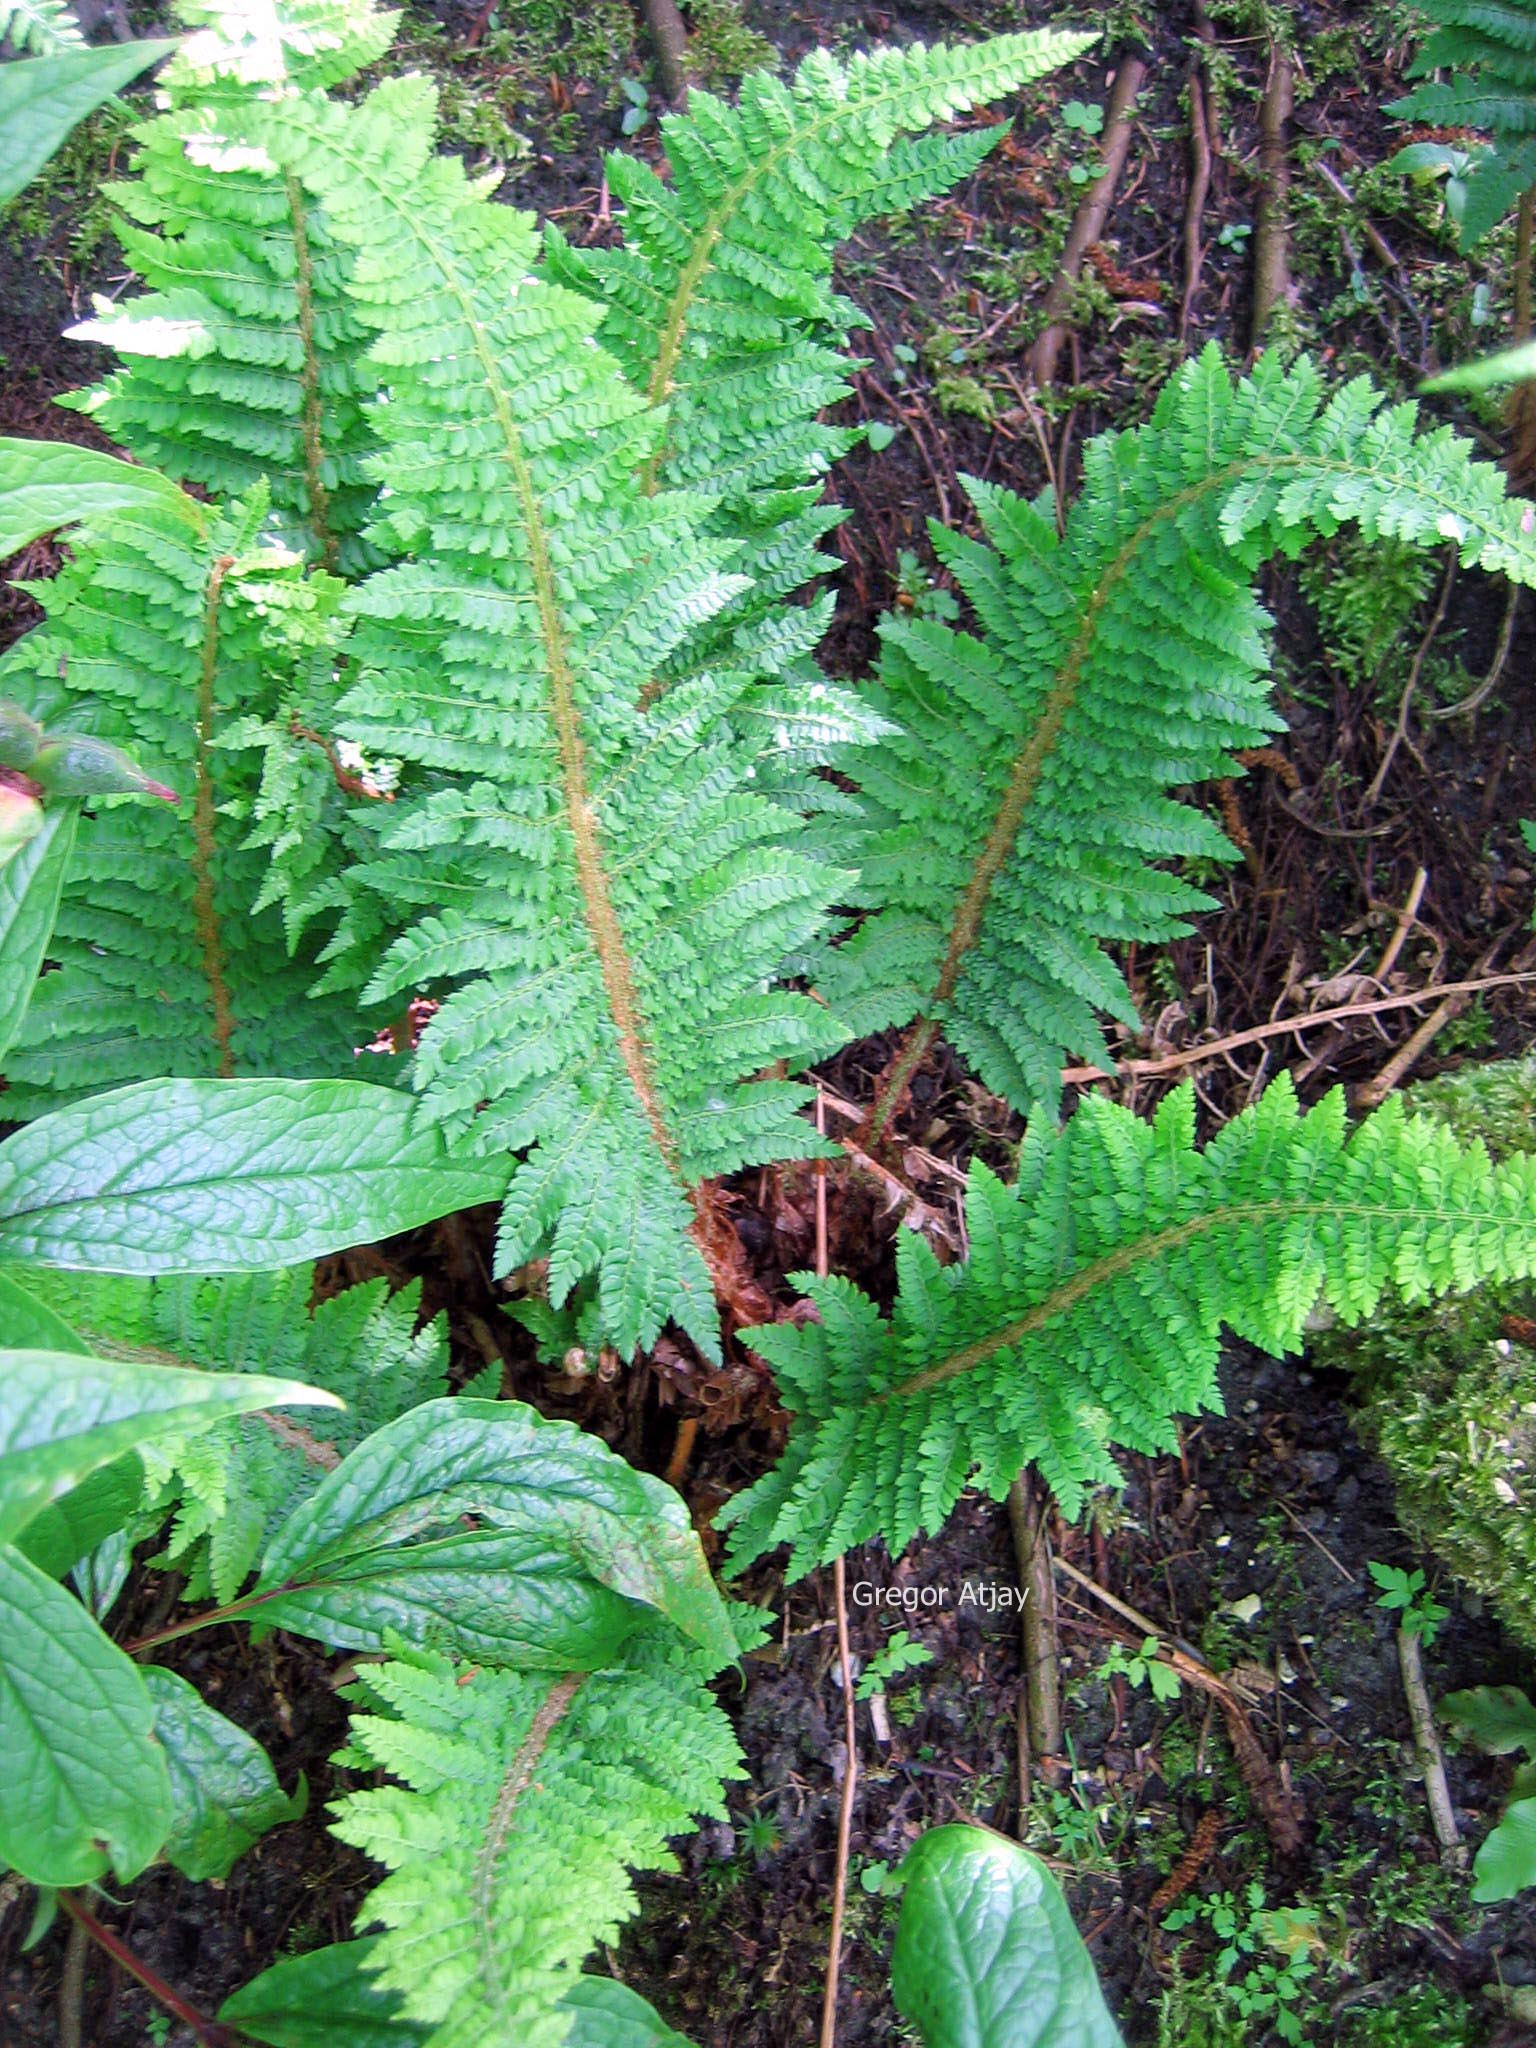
[(1276, 1500)]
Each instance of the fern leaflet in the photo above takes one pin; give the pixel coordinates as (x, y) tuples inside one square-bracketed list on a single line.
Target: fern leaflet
[(1091, 1307), (41, 26), (1487, 51)]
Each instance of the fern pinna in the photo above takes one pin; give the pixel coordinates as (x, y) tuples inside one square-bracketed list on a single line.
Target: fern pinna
[(1021, 804), (1091, 1307), (170, 615)]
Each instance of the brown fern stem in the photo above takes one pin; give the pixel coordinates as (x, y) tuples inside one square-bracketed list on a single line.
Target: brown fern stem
[(519, 1776), (205, 831), (309, 377)]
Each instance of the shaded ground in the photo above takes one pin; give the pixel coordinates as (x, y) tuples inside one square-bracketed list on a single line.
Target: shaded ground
[(1277, 1500)]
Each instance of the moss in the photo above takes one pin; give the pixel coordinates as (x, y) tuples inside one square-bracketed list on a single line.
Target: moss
[(1450, 1389)]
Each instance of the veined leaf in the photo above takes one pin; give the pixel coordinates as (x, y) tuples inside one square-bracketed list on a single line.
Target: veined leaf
[(607, 2014), (327, 1999), (226, 1176), (986, 1953), (224, 1791), (61, 1416), (68, 1529), (86, 1785), (30, 885), (507, 1467), (31, 1325), (43, 98)]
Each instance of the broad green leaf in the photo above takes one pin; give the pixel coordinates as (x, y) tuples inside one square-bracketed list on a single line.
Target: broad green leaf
[(85, 1784), (224, 1791), (986, 1953), (499, 1596), (508, 1466), (1506, 1863), (324, 2000), (68, 1529), (30, 886), (610, 2015), (226, 1176), (27, 1324), (1498, 1718), (1509, 366), (62, 1415), (43, 98)]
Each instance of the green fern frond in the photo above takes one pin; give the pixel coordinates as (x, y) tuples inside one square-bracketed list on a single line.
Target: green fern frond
[(1486, 50), (170, 617), (720, 307), (1020, 811), (242, 360), (521, 1809), (589, 879), (229, 1488), (1091, 1307), (41, 26)]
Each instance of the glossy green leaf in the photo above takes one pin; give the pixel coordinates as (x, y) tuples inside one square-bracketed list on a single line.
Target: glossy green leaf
[(609, 2015), (86, 1785), (62, 1415), (1506, 1863), (1498, 1718), (68, 1529), (27, 1324), (226, 1176), (497, 1595), (323, 2000), (30, 886), (43, 98), (224, 1791), (986, 1953), (507, 1466)]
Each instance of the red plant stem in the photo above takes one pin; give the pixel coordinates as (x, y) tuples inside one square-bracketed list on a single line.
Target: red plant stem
[(207, 2031), (207, 1619)]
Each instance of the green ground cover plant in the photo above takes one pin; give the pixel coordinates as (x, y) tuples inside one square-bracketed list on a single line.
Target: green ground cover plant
[(431, 693)]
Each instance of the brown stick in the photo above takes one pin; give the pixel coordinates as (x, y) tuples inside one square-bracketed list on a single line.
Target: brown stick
[(1089, 223), (1371, 1094), (669, 34), (1442, 1815), (207, 2031), (1199, 188), (1272, 223), (1039, 1715), (1192, 1055)]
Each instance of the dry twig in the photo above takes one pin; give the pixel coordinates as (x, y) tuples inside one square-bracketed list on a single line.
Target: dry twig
[(1272, 219), (669, 35), (1426, 1741), (1039, 1711)]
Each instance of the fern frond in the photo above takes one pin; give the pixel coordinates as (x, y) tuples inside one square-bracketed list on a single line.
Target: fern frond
[(41, 26), (1020, 811), (588, 878), (229, 1488), (521, 1809), (1091, 1307), (242, 359), (170, 617)]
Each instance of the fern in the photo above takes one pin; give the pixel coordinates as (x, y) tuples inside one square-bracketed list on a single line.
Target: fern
[(589, 879), (1019, 808), (1487, 49), (720, 308), (41, 26), (243, 359), (170, 615), (523, 1806), (229, 1487), (1091, 1307)]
